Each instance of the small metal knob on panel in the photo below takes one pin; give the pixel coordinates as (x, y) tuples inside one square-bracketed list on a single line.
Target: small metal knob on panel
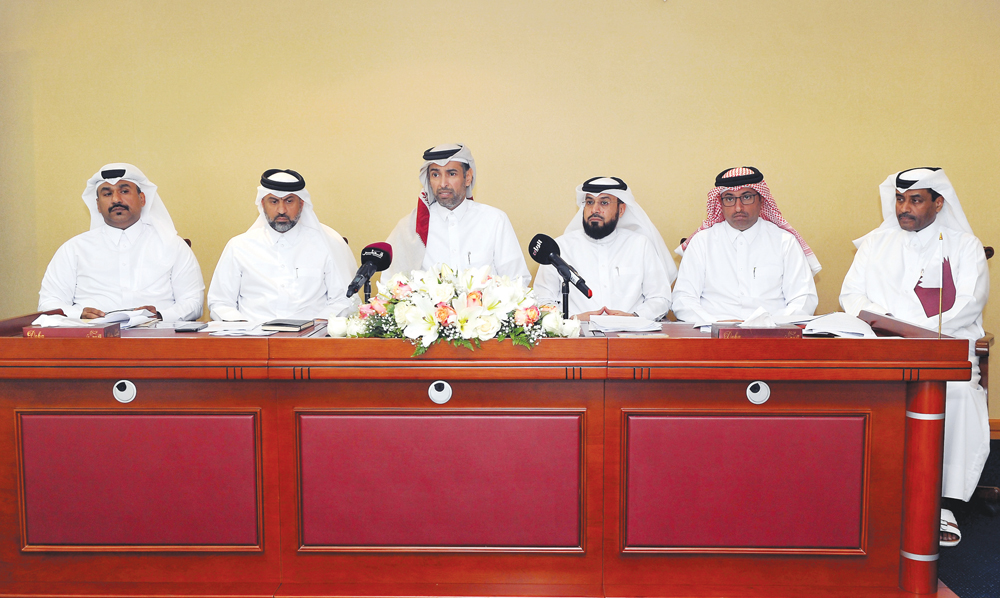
[(124, 391), (439, 392), (758, 392)]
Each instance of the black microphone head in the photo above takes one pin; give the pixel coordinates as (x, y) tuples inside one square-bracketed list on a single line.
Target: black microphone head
[(541, 247), (379, 254)]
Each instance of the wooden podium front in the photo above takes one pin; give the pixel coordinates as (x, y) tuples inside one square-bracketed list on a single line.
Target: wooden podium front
[(288, 466)]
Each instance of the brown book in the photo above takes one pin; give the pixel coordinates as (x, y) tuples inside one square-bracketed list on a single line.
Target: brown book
[(733, 330), (101, 331)]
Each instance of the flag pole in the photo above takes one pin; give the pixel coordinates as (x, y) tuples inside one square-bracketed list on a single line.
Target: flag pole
[(941, 288)]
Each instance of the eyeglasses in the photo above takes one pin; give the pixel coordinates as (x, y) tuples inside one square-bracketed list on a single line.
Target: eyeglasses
[(746, 199)]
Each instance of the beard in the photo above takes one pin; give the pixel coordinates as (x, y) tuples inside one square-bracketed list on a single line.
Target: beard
[(599, 230), (284, 227), (451, 202)]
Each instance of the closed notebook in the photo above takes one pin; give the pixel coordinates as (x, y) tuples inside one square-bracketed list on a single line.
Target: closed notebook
[(285, 325)]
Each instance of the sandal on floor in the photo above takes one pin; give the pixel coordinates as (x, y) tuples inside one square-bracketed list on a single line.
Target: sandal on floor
[(949, 525)]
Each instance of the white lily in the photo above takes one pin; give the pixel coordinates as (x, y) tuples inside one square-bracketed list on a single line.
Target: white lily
[(420, 322), (474, 279), (468, 320)]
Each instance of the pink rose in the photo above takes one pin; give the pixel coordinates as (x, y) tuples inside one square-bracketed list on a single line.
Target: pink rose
[(474, 298), (532, 314), (401, 291), (444, 314), (365, 310), (378, 306)]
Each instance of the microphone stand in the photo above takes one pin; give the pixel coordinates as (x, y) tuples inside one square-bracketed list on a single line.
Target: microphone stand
[(565, 291), (368, 289)]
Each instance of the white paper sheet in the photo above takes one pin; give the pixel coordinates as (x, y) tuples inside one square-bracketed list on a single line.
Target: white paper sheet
[(623, 324), (840, 324)]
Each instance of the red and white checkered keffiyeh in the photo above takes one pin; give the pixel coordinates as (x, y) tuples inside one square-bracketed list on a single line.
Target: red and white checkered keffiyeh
[(768, 210)]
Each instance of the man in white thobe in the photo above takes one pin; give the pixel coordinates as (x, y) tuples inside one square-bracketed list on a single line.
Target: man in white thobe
[(287, 264), (613, 246), (925, 252), (131, 258), (745, 256), (448, 227)]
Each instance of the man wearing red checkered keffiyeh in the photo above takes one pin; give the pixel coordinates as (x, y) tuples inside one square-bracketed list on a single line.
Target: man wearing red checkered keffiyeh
[(744, 256), (768, 208)]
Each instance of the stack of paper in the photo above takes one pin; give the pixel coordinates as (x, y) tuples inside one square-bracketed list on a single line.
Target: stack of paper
[(59, 322), (217, 328), (127, 318), (623, 324), (840, 324)]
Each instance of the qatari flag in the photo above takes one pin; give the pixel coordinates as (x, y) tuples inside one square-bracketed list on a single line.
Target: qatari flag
[(929, 296)]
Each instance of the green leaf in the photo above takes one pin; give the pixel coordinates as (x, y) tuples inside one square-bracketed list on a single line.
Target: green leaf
[(461, 342)]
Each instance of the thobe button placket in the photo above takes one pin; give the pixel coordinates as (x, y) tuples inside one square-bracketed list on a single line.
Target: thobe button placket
[(456, 259), (742, 261), (602, 265), (124, 269)]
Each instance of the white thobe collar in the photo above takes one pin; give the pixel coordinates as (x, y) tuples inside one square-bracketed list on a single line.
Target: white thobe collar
[(289, 237), (458, 213), (131, 234), (922, 237), (749, 234)]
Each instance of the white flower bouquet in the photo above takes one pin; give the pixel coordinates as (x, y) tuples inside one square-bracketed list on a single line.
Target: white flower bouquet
[(463, 308)]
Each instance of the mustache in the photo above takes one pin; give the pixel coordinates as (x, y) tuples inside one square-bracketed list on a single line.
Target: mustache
[(119, 205)]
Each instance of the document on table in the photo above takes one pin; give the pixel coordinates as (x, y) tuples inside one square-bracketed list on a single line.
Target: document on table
[(623, 324), (217, 328), (840, 324), (127, 318)]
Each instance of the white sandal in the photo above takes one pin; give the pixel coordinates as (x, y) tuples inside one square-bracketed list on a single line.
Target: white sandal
[(950, 525)]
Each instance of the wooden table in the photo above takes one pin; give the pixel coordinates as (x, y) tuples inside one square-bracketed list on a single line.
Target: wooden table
[(288, 466)]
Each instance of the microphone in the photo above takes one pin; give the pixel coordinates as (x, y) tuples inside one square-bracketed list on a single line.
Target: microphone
[(545, 250), (374, 258)]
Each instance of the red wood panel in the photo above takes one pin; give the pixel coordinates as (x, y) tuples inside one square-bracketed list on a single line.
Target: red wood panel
[(405, 568), (663, 570), (127, 479), (799, 479), (439, 480), (129, 570)]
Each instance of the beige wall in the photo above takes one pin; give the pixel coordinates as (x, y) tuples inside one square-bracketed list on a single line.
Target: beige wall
[(827, 98)]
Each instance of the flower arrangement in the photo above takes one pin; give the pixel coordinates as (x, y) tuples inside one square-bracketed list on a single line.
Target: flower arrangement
[(463, 308)]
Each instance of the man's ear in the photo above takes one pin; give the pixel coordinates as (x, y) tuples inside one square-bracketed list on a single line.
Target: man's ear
[(468, 177), (621, 208), (938, 204), (142, 199)]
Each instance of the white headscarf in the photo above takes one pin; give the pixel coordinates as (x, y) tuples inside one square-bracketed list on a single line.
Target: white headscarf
[(450, 152), (342, 254), (634, 218), (951, 215), (409, 238), (154, 212)]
